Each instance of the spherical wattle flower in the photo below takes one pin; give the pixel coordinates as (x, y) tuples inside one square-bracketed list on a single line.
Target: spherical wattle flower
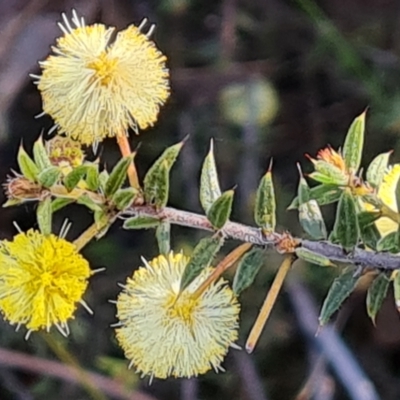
[(42, 278), (94, 88), (387, 193), (164, 334)]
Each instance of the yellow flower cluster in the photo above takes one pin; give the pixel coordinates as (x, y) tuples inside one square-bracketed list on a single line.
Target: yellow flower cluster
[(42, 278), (94, 88), (164, 332)]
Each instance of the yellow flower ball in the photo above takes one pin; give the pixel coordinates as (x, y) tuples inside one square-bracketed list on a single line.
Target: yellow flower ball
[(164, 334), (94, 88), (42, 278), (387, 193)]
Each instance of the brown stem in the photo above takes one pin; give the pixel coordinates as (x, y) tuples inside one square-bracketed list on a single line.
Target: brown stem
[(226, 263), (62, 353), (125, 148), (88, 235), (39, 366), (269, 303), (358, 256)]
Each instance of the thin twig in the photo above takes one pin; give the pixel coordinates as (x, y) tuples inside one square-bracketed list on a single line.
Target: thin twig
[(342, 361), (252, 384), (189, 389), (245, 233), (269, 302), (40, 366)]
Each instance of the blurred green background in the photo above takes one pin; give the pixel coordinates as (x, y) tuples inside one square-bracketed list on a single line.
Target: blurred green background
[(263, 78)]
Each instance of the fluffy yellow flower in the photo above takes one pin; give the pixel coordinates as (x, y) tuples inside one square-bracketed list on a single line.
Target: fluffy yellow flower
[(41, 280), (93, 88), (165, 334), (387, 193)]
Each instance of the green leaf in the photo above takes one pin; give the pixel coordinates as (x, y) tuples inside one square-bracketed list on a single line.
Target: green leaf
[(102, 221), (354, 142), (49, 176), (88, 202), (209, 185), (74, 177), (326, 180), (27, 166), (311, 220), (168, 157), (40, 156), (117, 176), (376, 294), (366, 218), (59, 203), (141, 222), (12, 202), (313, 258), (44, 216), (323, 194), (368, 231), (202, 256), (221, 209), (265, 207), (328, 173), (377, 169), (340, 289), (346, 230), (163, 233), (389, 243), (303, 190), (103, 178), (396, 287), (156, 181), (247, 269), (156, 186), (92, 176), (123, 198)]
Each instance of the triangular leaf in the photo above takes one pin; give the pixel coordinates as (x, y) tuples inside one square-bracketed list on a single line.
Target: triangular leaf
[(74, 177), (221, 209), (44, 216), (323, 194), (88, 202), (59, 203), (141, 222), (117, 176), (40, 155), (247, 269), (123, 198), (156, 186), (313, 258), (163, 233), (354, 142), (346, 230), (265, 206), (340, 289), (209, 184), (376, 294), (156, 181), (311, 220), (27, 166), (92, 176), (377, 169), (202, 256), (49, 176)]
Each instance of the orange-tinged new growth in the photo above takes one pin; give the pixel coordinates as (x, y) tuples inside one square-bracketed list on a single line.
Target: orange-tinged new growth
[(332, 157)]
